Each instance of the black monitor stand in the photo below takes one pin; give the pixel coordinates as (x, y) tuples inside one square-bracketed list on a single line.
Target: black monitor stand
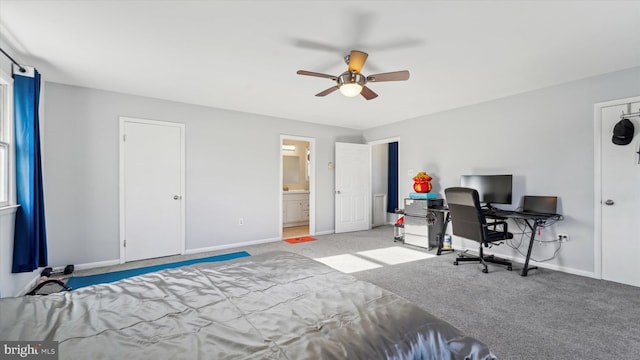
[(490, 207)]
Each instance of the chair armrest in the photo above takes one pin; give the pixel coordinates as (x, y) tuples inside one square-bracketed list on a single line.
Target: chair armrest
[(505, 226)]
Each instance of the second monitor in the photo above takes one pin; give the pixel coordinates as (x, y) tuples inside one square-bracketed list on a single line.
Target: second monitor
[(492, 189)]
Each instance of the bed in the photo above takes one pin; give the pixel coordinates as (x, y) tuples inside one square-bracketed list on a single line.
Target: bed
[(278, 305)]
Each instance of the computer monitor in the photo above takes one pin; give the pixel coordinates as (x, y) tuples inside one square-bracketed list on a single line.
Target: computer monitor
[(492, 189), (540, 204)]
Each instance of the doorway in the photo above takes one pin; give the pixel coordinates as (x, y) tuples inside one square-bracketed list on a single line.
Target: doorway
[(152, 182), (617, 196), (297, 186), (385, 177)]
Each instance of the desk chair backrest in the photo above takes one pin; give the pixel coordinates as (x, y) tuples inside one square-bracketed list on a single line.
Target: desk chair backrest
[(467, 218)]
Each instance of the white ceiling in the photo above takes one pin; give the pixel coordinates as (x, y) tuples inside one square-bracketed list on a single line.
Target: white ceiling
[(243, 55)]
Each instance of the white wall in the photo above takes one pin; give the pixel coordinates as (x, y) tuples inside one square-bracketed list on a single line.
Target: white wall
[(222, 184), (544, 138)]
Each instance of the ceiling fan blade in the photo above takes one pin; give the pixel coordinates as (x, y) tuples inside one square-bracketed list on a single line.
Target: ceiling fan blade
[(328, 91), (399, 43), (357, 60), (390, 76), (311, 73), (315, 45), (368, 93)]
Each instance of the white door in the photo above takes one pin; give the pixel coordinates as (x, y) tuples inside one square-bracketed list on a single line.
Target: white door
[(152, 189), (353, 182), (620, 202)]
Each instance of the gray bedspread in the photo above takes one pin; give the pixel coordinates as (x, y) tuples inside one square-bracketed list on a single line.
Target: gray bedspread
[(273, 306)]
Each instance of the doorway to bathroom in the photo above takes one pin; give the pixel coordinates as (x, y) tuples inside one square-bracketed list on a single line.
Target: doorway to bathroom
[(297, 195)]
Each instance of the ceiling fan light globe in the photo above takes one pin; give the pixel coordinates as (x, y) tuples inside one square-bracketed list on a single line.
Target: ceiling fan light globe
[(350, 89)]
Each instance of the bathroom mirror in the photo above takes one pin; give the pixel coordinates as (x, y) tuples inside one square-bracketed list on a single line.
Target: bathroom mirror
[(291, 169)]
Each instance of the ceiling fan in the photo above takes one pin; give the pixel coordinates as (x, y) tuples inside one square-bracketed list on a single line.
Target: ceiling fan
[(352, 82)]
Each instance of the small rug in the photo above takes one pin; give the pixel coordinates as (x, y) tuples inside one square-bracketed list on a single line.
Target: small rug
[(300, 239), (77, 282)]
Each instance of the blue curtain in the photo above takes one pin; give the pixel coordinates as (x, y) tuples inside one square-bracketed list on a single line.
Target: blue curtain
[(30, 240), (392, 181)]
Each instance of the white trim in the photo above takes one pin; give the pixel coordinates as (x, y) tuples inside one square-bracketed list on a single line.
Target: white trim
[(544, 265), (7, 80), (384, 141), (597, 179), (96, 264), (122, 121), (232, 246), (4, 162), (312, 182), (9, 209)]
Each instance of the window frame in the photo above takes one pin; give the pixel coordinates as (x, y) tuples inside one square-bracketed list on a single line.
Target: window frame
[(7, 194)]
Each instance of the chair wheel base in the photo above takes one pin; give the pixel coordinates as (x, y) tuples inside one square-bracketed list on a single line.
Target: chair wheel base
[(455, 263), (485, 271), (509, 268)]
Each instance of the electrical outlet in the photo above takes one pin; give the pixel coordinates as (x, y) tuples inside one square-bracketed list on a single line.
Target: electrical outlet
[(241, 221), (563, 237)]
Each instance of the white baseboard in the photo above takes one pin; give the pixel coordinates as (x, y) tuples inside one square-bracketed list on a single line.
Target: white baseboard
[(95, 264), (246, 243), (230, 246), (187, 252), (563, 269)]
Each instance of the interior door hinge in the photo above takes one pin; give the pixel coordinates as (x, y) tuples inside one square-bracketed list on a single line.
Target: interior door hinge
[(124, 137), (125, 243)]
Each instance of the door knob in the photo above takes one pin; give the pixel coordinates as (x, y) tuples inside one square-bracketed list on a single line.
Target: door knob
[(177, 197), (338, 192), (609, 202)]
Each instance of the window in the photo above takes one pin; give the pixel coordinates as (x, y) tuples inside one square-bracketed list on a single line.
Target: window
[(5, 137)]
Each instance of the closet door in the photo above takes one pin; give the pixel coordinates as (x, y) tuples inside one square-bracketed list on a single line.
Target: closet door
[(152, 189), (620, 204), (352, 192)]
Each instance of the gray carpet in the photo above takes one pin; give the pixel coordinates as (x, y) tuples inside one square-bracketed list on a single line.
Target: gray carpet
[(546, 315)]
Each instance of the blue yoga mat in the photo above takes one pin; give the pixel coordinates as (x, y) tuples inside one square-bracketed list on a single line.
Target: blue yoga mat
[(77, 282)]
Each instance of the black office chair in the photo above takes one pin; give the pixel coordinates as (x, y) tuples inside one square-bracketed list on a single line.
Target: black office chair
[(469, 221)]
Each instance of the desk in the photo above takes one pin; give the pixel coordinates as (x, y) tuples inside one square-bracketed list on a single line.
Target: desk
[(533, 221)]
